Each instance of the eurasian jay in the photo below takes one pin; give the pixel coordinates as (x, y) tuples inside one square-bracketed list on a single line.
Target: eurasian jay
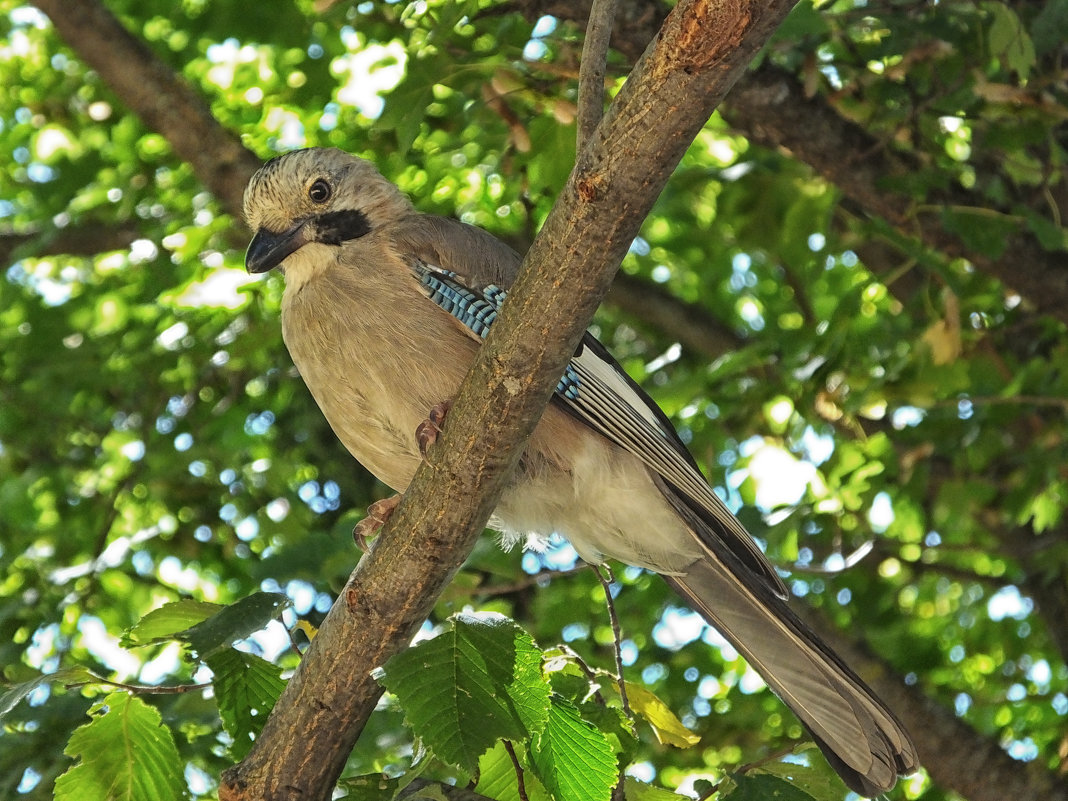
[(383, 312)]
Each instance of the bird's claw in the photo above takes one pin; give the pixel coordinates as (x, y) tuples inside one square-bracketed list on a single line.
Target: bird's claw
[(426, 433), (377, 514)]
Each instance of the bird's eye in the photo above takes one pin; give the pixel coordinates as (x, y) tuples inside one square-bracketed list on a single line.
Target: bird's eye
[(320, 191)]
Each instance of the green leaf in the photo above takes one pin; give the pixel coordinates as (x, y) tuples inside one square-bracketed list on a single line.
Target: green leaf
[(762, 787), (1009, 41), (1050, 235), (475, 683), (1049, 28), (817, 778), (10, 699), (634, 790), (666, 726), (246, 688), (170, 619), (405, 106), (497, 778), (982, 232), (572, 758), (234, 622), (124, 753), (1047, 507)]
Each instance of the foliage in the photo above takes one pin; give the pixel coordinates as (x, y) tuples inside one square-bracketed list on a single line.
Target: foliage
[(890, 424)]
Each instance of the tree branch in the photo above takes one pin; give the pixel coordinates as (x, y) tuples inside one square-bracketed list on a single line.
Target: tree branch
[(592, 68), (692, 325), (83, 240), (769, 106), (701, 50), (156, 94)]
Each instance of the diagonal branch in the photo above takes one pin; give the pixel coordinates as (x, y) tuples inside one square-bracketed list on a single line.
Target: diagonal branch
[(769, 106), (700, 52), (152, 90)]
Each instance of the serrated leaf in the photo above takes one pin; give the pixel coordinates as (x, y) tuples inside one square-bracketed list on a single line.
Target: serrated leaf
[(405, 107), (475, 683), (497, 778), (634, 790), (76, 675), (1009, 40), (124, 753), (572, 758), (169, 620), (762, 787), (817, 778), (234, 622), (246, 689), (666, 726)]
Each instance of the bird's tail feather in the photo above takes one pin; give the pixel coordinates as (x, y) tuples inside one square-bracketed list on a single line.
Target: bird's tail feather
[(860, 737)]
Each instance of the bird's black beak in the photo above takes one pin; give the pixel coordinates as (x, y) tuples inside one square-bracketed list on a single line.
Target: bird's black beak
[(269, 249)]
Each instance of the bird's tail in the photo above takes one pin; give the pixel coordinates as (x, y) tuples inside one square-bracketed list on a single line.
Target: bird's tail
[(860, 737)]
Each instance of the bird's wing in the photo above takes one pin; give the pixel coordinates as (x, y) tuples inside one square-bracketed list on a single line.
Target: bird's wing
[(594, 388), (479, 258)]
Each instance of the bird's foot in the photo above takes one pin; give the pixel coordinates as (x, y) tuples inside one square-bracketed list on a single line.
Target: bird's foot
[(426, 433), (377, 515)]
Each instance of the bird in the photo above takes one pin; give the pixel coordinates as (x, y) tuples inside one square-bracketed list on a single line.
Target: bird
[(383, 312)]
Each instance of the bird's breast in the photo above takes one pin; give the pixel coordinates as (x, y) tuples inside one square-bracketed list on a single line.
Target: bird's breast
[(376, 357)]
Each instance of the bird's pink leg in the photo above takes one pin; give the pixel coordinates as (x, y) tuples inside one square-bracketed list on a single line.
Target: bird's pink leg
[(426, 433), (377, 515), (379, 512)]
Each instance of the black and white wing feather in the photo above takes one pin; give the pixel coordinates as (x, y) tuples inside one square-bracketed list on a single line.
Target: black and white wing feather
[(596, 390)]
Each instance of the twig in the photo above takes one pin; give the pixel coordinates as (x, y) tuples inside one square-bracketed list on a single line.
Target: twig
[(617, 637), (494, 590), (849, 561), (592, 69), (147, 689), (521, 786), (591, 674)]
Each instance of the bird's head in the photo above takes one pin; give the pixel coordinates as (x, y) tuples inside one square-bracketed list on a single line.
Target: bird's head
[(317, 196)]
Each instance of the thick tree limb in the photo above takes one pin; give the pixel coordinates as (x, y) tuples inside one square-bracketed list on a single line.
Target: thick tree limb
[(699, 53), (152, 90), (769, 106), (88, 240)]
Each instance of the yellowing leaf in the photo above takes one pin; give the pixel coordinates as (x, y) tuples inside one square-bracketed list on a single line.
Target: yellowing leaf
[(666, 726), (309, 630), (943, 336)]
